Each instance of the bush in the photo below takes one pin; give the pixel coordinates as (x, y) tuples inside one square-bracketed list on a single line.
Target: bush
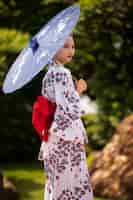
[(93, 128), (108, 28)]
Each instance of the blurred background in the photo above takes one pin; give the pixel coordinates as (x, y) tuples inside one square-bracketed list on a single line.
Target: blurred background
[(104, 52)]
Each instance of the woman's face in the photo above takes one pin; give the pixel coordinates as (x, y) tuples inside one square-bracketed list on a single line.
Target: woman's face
[(66, 53)]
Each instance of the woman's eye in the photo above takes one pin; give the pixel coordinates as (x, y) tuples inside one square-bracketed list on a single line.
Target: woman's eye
[(68, 47), (65, 46)]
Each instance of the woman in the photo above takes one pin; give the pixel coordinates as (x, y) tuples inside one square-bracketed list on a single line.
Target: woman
[(64, 155)]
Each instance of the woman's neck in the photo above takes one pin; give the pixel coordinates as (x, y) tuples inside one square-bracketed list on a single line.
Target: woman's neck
[(58, 62)]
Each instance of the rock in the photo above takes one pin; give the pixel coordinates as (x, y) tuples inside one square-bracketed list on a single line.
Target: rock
[(112, 169), (7, 189)]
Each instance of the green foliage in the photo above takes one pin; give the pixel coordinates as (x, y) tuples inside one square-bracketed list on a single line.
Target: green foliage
[(106, 39), (11, 42), (28, 16), (93, 128), (88, 3)]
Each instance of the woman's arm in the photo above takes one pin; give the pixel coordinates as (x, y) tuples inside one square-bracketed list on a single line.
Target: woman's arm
[(67, 100)]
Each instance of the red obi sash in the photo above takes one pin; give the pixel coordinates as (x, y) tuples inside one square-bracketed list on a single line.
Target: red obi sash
[(42, 116)]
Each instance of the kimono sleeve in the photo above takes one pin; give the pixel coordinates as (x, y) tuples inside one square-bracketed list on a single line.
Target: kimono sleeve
[(67, 100)]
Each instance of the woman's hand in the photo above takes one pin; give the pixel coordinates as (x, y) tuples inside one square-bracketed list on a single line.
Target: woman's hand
[(81, 86)]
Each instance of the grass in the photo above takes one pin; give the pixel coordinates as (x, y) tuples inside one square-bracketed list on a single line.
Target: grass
[(29, 179)]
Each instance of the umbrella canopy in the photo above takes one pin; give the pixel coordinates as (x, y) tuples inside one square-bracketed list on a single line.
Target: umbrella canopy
[(41, 49)]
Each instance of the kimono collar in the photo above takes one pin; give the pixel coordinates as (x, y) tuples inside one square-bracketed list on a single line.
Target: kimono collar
[(53, 63)]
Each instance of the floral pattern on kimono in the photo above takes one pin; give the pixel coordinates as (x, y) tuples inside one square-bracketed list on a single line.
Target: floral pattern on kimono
[(64, 154), (67, 175), (58, 86)]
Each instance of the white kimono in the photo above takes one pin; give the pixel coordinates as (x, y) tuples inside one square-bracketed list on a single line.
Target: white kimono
[(64, 154)]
